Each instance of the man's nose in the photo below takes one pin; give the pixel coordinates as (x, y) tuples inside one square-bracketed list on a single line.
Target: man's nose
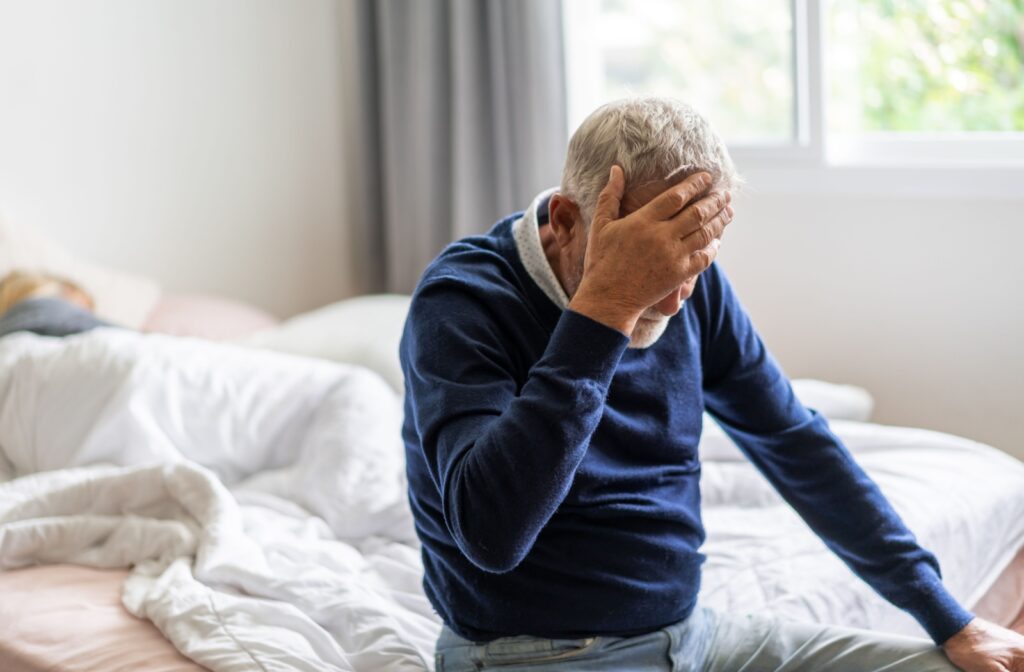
[(669, 305)]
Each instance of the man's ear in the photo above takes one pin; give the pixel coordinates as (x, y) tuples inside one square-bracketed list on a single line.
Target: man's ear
[(564, 217)]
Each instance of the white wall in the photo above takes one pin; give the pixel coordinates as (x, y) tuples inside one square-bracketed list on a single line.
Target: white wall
[(197, 141), (919, 300)]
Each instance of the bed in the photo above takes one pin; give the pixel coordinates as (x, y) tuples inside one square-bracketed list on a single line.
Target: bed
[(69, 618), (222, 555)]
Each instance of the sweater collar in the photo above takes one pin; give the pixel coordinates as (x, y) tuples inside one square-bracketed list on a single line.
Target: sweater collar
[(526, 232)]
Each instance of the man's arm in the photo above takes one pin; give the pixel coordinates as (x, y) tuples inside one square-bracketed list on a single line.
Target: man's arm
[(793, 447), (502, 458)]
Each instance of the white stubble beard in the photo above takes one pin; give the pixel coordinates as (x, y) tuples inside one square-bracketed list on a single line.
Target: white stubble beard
[(648, 329)]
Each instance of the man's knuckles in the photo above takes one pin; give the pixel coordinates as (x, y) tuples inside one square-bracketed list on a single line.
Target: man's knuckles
[(701, 238), (716, 203)]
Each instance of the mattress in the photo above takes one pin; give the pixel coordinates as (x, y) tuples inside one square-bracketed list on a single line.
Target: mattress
[(66, 618), (1004, 601)]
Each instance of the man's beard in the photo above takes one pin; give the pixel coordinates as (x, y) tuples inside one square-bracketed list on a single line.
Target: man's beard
[(649, 327)]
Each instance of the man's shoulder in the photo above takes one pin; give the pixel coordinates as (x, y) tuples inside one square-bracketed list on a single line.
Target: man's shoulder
[(473, 297), (483, 266)]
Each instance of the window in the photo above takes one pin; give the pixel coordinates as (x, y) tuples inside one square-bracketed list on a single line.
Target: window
[(817, 82), (733, 58)]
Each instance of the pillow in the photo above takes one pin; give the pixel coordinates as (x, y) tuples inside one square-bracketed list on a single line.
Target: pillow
[(365, 330), (835, 402), (121, 298), (209, 317)]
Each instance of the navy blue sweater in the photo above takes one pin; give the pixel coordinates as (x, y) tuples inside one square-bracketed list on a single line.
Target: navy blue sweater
[(554, 475)]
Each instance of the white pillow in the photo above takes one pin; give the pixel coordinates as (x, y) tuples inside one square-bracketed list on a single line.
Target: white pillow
[(365, 330), (121, 298), (835, 402)]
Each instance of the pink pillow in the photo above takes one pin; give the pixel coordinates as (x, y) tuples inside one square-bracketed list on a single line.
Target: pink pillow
[(209, 317)]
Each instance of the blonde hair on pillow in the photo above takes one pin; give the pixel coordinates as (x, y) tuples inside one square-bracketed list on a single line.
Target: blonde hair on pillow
[(21, 284)]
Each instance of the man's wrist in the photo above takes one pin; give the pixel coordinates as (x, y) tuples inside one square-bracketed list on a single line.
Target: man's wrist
[(931, 603), (607, 313), (967, 633)]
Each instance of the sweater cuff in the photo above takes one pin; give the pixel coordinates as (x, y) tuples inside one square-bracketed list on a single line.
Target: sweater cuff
[(935, 609), (585, 347)]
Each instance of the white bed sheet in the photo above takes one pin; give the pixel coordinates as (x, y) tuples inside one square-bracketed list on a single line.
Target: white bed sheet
[(963, 500), (263, 529)]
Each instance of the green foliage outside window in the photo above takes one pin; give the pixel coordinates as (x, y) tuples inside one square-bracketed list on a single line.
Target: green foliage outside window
[(925, 65)]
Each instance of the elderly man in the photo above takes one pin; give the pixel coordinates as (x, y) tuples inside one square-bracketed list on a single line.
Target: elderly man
[(556, 371)]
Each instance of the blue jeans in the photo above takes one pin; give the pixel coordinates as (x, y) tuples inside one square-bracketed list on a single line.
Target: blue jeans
[(705, 642)]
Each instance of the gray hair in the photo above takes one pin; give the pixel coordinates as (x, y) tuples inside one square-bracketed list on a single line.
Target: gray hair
[(652, 139)]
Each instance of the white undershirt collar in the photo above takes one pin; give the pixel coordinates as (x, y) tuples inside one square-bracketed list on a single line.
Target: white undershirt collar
[(526, 232)]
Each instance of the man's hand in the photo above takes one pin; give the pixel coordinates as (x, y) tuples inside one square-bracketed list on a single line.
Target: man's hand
[(985, 647), (633, 262)]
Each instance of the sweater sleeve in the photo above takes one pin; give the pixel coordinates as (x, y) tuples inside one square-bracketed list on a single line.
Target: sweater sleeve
[(747, 392), (502, 452)]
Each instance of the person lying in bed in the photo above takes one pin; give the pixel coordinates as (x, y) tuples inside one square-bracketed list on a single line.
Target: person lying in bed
[(556, 369), (44, 304)]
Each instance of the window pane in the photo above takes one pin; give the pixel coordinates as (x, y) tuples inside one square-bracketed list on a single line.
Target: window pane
[(925, 65), (731, 59)]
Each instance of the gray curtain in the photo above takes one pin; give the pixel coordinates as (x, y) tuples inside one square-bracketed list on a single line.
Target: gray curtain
[(463, 113)]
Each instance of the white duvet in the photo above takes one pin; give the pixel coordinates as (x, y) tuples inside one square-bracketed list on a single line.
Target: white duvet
[(260, 499)]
